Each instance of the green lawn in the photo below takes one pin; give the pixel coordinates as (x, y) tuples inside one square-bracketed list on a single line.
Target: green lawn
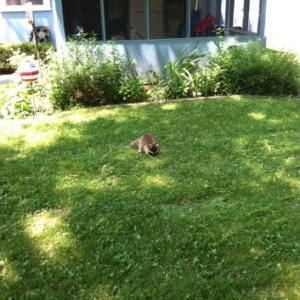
[(215, 216)]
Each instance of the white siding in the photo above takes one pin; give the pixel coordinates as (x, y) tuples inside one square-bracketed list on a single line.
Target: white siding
[(282, 25)]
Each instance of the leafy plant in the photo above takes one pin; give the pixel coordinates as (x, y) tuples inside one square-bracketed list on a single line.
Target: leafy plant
[(132, 90), (253, 69), (18, 57), (5, 66), (96, 80), (21, 99), (203, 83), (7, 53), (18, 101), (177, 77)]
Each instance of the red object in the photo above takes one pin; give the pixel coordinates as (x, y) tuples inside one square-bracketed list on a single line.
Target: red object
[(208, 22), (30, 76), (29, 71)]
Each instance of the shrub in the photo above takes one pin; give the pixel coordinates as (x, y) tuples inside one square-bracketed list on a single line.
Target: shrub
[(177, 77), (89, 74), (23, 99), (27, 48), (179, 84), (5, 54), (252, 69), (203, 83), (20, 99), (132, 90)]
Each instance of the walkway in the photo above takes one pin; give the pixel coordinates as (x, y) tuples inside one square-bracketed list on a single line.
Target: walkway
[(6, 78)]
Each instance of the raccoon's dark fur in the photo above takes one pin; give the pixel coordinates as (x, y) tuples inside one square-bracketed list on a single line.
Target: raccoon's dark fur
[(146, 143)]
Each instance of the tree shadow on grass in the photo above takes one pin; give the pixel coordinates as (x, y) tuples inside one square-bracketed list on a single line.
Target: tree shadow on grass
[(213, 216)]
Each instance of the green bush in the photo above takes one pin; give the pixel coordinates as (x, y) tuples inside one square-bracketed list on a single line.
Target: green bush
[(177, 78), (89, 74), (20, 99), (132, 90), (251, 69), (203, 83), (7, 51), (5, 54), (179, 85), (30, 49)]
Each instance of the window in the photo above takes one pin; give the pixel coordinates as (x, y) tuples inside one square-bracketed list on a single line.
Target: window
[(117, 20), (253, 18), (157, 24), (175, 18), (84, 14), (160, 19), (137, 16), (246, 16), (18, 5)]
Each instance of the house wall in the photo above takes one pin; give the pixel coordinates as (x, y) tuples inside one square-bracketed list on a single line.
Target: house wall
[(148, 54), (15, 28), (155, 54), (282, 25)]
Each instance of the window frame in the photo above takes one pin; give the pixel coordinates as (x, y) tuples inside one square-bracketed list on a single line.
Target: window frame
[(16, 8), (224, 8)]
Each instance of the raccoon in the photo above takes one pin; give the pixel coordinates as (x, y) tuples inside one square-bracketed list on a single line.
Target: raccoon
[(146, 143)]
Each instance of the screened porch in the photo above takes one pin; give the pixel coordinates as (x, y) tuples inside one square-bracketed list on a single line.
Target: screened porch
[(161, 19)]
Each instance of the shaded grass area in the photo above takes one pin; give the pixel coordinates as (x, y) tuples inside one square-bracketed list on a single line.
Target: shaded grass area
[(214, 216)]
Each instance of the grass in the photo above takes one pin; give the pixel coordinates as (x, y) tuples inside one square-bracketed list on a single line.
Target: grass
[(214, 216)]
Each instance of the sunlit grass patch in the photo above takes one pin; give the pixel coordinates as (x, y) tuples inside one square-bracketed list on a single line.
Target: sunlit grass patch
[(157, 180), (292, 182), (86, 115), (29, 132), (48, 231), (257, 116), (6, 271), (290, 275), (169, 106)]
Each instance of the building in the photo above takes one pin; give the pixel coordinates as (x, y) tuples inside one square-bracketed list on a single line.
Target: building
[(282, 25), (150, 31)]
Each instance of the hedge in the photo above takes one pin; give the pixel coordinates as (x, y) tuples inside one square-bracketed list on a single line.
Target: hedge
[(6, 51)]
